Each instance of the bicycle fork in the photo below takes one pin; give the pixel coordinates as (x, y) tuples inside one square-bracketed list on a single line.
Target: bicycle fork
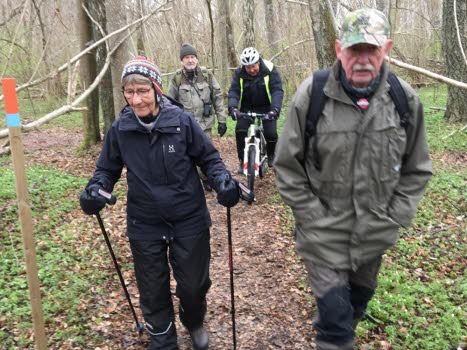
[(251, 140)]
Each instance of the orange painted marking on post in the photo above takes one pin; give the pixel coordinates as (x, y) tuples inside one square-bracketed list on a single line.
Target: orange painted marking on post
[(9, 92)]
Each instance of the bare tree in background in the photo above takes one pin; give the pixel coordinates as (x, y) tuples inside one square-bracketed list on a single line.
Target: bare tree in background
[(383, 6), (271, 26), (456, 67), (88, 74), (249, 23), (224, 9), (140, 33), (324, 31), (97, 10), (116, 18), (211, 21)]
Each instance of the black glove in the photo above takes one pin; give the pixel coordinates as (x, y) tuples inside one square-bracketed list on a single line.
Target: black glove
[(228, 191), (222, 129), (91, 201), (272, 115), (234, 113)]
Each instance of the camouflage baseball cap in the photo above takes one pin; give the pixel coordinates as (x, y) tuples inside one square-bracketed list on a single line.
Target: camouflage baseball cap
[(364, 26)]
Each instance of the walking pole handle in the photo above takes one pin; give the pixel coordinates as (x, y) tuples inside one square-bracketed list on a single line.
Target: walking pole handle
[(109, 198), (245, 193)]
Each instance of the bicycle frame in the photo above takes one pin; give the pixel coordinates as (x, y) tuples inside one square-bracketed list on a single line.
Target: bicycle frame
[(254, 154), (256, 139)]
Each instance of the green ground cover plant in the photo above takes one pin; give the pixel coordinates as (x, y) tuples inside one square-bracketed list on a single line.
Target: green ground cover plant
[(66, 277)]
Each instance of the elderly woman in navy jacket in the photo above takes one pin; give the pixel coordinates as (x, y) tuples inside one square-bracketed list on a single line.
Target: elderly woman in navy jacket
[(167, 217)]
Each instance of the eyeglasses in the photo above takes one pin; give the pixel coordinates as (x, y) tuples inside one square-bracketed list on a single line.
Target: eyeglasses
[(140, 92)]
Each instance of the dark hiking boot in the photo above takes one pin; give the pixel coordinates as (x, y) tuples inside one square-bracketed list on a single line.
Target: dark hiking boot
[(207, 187), (271, 162), (200, 339)]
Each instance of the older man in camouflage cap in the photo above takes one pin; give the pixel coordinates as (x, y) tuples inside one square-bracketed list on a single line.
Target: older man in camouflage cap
[(352, 163)]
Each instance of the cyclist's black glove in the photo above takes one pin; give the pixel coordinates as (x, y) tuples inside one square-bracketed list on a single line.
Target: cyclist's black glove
[(234, 113), (272, 115), (228, 191), (91, 201), (222, 129)]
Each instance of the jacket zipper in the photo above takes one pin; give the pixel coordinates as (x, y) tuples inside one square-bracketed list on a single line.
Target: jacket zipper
[(164, 162)]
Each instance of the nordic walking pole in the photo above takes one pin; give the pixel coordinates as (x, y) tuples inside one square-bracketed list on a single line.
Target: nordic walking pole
[(232, 294), (111, 200), (17, 155)]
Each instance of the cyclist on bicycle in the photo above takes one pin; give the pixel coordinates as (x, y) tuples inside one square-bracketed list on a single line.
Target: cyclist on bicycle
[(257, 87)]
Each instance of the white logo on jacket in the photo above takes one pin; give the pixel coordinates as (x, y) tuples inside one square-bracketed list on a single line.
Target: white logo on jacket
[(171, 149)]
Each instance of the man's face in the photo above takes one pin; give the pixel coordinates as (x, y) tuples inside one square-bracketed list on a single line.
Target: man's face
[(252, 69), (362, 62), (190, 62), (141, 98)]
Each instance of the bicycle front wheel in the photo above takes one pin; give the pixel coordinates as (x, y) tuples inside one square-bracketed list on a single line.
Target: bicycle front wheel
[(251, 168)]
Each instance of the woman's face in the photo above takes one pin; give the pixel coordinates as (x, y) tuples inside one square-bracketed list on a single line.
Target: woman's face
[(141, 98)]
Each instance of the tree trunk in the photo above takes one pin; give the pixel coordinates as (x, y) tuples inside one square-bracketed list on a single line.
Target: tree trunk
[(383, 6), (324, 32), (456, 67), (140, 33), (271, 27), (105, 87), (229, 34), (116, 13), (228, 53), (88, 74), (211, 22), (249, 23)]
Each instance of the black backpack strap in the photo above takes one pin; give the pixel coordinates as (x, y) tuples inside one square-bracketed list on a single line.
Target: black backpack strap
[(399, 98), (317, 101)]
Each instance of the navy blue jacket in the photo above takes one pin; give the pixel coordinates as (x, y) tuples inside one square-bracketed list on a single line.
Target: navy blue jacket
[(254, 97), (165, 196)]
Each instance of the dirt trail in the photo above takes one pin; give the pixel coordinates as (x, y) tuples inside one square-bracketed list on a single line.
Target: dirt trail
[(272, 310)]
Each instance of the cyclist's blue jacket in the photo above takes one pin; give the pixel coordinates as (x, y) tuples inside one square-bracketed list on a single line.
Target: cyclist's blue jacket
[(254, 96), (165, 196)]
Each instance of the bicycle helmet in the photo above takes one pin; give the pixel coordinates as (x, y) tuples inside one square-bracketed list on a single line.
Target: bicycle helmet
[(249, 56)]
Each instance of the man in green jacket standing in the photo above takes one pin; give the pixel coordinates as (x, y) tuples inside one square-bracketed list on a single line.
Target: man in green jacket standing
[(198, 90), (356, 180)]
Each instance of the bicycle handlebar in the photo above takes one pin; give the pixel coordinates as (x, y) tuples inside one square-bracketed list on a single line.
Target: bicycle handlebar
[(253, 115)]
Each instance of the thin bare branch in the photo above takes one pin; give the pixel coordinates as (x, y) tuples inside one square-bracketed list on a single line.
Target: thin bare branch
[(458, 32), (73, 106), (288, 47), (17, 30), (455, 132), (12, 15), (297, 2), (428, 73), (91, 47)]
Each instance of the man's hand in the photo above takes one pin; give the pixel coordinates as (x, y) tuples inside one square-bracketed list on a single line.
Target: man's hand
[(221, 129), (272, 115), (91, 201), (234, 113), (228, 191)]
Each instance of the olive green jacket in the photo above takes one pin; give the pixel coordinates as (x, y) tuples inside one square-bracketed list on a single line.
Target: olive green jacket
[(373, 173), (205, 89)]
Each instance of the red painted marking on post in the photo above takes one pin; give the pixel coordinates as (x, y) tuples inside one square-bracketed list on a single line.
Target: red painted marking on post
[(9, 92)]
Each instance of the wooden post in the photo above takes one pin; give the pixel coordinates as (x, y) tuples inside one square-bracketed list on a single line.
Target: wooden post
[(25, 217)]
